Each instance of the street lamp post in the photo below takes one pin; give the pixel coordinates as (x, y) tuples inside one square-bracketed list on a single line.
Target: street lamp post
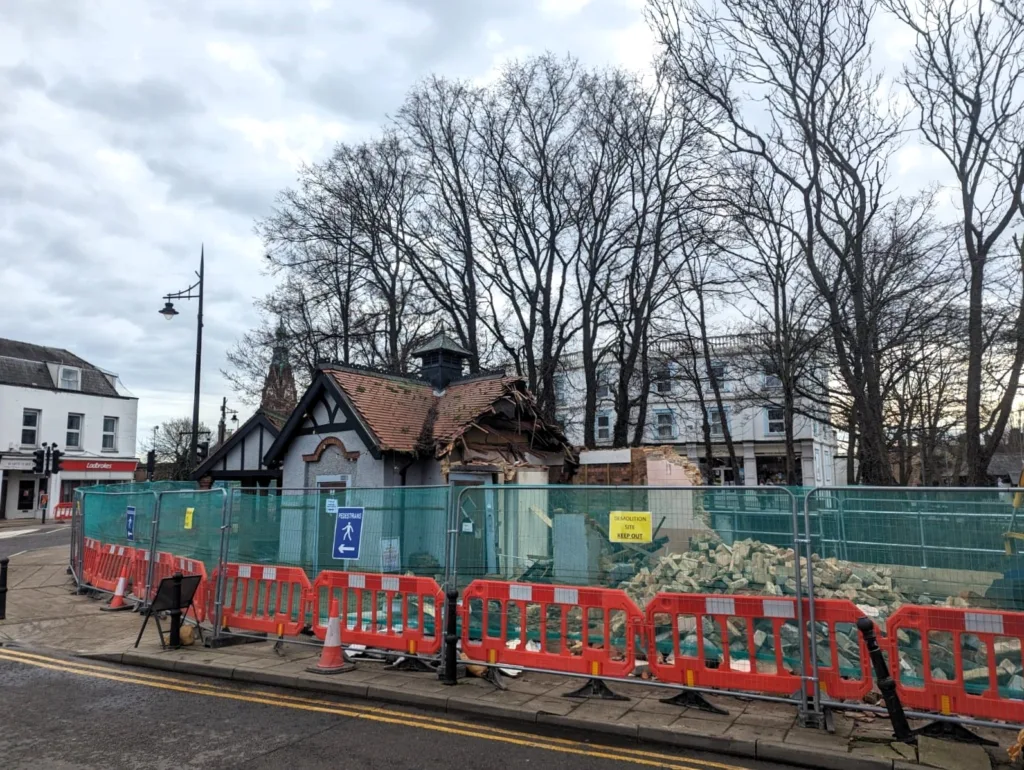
[(195, 291)]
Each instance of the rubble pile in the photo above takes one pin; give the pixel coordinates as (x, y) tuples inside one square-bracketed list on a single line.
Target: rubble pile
[(750, 567)]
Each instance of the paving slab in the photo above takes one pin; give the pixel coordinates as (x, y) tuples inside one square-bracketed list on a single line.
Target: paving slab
[(544, 705), (952, 756)]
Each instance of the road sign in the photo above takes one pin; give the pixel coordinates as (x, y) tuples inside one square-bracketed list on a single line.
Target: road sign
[(348, 532), (129, 523), (629, 527)]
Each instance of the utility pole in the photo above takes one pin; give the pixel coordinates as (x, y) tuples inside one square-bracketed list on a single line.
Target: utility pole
[(222, 426)]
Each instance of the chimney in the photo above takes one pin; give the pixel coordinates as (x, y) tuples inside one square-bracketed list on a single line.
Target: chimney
[(441, 360)]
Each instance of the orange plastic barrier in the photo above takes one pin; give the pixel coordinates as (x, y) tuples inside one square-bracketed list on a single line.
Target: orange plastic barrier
[(744, 625), (62, 511), (271, 600), (90, 559), (109, 562), (998, 632), (532, 610), (389, 612)]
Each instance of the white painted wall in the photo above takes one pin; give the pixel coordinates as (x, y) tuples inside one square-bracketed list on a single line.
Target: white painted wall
[(55, 407)]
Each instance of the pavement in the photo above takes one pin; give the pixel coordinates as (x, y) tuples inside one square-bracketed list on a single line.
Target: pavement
[(44, 615)]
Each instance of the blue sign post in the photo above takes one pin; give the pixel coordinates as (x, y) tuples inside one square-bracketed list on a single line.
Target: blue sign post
[(348, 533), (129, 523)]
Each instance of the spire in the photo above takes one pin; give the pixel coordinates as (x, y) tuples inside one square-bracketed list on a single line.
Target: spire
[(279, 392), (279, 361)]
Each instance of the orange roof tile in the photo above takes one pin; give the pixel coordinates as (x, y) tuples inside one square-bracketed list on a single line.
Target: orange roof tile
[(396, 409), (393, 408)]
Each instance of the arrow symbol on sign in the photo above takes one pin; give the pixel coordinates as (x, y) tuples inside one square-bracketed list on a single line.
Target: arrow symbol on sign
[(342, 549)]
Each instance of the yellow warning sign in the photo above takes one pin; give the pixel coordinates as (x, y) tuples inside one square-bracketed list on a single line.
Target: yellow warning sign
[(188, 517), (629, 527)]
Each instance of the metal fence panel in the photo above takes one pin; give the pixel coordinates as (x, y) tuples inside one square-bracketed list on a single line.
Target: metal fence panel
[(703, 540), (403, 528), (189, 525), (928, 545)]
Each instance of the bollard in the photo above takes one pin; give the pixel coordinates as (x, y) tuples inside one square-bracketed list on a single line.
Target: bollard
[(900, 726), (3, 588), (449, 673), (175, 612)]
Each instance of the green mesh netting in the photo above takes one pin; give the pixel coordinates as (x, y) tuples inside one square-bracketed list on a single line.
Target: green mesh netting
[(403, 528)]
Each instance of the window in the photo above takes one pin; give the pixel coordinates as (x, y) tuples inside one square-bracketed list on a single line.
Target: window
[(772, 378), (561, 389), (775, 420), (26, 494), (70, 378), (73, 439), (604, 427), (720, 374), (665, 425), (715, 417), (30, 427), (663, 380), (110, 434)]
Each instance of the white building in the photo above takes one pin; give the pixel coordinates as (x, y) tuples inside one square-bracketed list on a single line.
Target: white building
[(751, 396), (50, 396)]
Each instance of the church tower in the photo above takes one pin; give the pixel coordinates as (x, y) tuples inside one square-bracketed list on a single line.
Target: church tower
[(279, 394)]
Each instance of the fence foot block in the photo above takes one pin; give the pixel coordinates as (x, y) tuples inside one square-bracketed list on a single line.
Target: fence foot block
[(952, 731), (595, 688), (494, 676), (416, 665), (694, 700), (229, 640)]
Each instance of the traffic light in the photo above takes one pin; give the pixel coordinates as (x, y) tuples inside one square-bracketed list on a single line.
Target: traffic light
[(56, 456), (202, 451), (39, 461)]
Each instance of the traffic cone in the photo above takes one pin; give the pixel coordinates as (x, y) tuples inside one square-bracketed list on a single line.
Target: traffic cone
[(118, 602), (333, 659)]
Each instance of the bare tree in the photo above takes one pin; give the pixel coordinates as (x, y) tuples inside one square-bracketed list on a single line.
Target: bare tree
[(764, 253), (376, 186), (815, 118), (171, 442), (965, 78), (668, 160), (526, 137), (600, 178), (437, 121)]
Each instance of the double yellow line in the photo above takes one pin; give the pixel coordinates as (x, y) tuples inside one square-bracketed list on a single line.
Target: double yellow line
[(371, 713)]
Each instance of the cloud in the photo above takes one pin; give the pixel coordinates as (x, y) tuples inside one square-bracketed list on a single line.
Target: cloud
[(131, 134)]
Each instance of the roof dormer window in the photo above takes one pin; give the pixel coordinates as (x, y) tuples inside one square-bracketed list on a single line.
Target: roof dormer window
[(70, 378)]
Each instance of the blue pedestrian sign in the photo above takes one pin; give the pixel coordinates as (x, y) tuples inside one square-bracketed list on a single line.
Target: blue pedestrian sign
[(129, 523), (348, 532)]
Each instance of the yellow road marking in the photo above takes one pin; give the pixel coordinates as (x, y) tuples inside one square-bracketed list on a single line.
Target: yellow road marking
[(374, 714)]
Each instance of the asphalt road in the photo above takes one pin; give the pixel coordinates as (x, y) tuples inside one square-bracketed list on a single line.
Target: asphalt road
[(15, 538), (65, 714)]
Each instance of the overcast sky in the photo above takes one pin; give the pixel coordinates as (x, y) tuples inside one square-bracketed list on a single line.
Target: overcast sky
[(132, 132)]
